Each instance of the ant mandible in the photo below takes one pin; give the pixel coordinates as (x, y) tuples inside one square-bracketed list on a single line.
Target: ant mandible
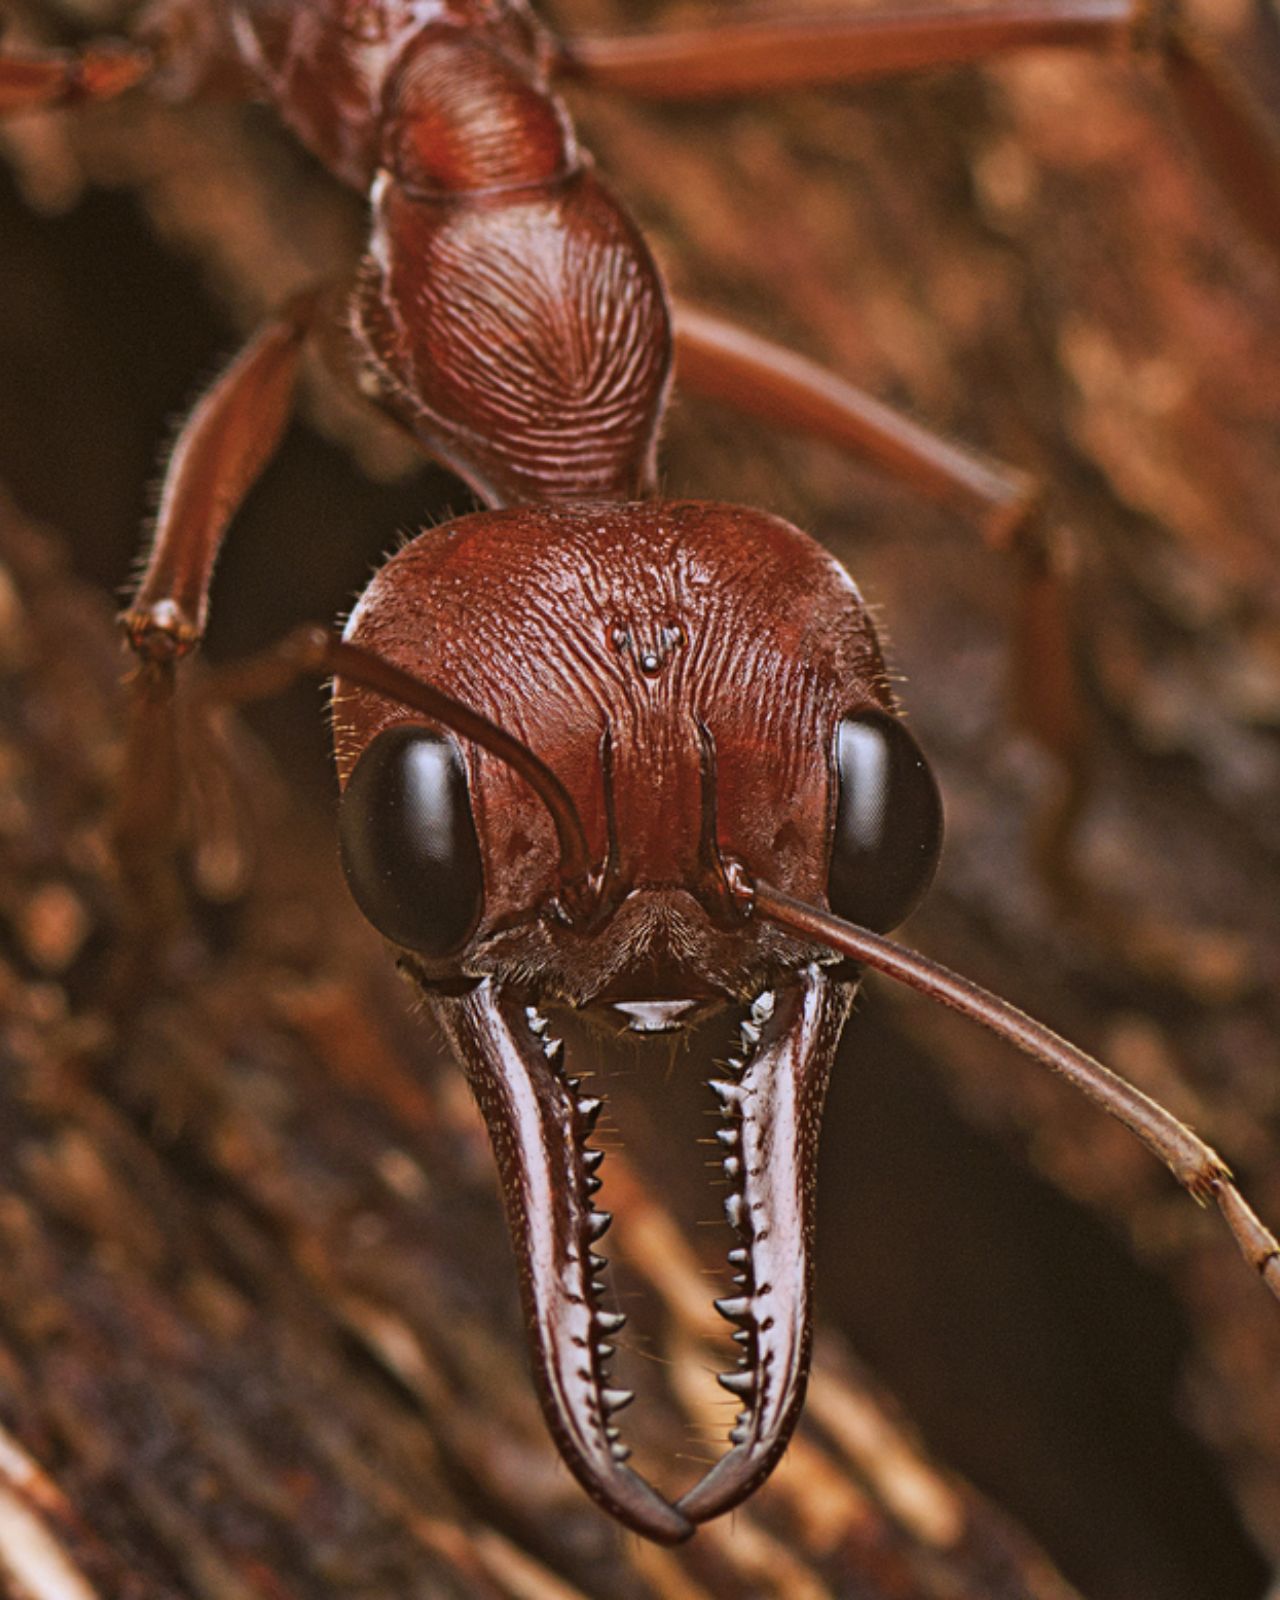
[(598, 749)]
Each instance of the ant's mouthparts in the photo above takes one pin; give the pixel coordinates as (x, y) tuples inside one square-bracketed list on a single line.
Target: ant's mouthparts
[(658, 1016), (543, 1127)]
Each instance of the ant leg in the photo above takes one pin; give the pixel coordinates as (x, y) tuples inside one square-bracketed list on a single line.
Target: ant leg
[(46, 78), (1237, 149), (766, 54), (724, 362), (182, 49), (222, 449)]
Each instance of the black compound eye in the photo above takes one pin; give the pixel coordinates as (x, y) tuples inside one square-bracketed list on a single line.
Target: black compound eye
[(888, 830), (409, 847)]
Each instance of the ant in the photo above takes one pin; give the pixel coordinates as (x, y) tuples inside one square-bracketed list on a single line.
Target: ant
[(597, 749)]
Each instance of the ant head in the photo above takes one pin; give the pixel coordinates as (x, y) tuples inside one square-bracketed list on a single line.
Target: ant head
[(699, 694), (705, 683)]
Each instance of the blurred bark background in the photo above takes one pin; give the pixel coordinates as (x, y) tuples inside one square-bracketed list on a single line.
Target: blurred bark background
[(245, 1347)]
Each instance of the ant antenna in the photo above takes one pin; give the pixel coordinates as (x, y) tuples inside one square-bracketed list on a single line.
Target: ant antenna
[(1197, 1167), (314, 650)]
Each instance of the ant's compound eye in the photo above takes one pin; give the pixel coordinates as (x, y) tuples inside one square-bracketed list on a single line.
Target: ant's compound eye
[(409, 847), (888, 829)]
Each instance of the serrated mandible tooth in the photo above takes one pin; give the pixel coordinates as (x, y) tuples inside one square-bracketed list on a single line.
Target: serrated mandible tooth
[(611, 1322), (616, 1399), (750, 1035), (553, 1049), (741, 1384), (592, 1185), (596, 1264), (537, 1022), (741, 1335), (613, 1433), (734, 1308), (732, 1168), (738, 1435), (598, 1224), (739, 1257), (762, 1006), (728, 1137), (591, 1159), (619, 1452), (573, 1084), (729, 1094), (735, 1065), (604, 1351), (589, 1110), (735, 1209)]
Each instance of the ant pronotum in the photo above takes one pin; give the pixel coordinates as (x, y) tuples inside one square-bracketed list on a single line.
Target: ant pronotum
[(702, 794)]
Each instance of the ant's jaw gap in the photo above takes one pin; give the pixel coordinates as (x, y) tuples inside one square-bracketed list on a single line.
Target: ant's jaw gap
[(541, 1122)]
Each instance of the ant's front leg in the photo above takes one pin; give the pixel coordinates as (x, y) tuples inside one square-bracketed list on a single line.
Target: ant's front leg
[(772, 53), (221, 451)]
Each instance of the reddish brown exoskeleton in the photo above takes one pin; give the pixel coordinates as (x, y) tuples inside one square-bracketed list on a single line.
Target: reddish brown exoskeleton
[(599, 750)]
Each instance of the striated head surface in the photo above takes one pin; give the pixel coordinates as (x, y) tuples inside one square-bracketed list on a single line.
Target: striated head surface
[(660, 658)]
